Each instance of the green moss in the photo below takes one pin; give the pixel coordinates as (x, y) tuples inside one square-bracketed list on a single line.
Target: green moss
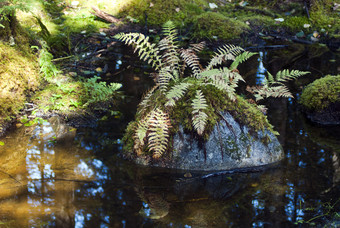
[(19, 76), (321, 93), (258, 20), (295, 23), (211, 24), (158, 12), (323, 16)]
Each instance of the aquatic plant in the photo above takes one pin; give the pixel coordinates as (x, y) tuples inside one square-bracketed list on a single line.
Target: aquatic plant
[(181, 81)]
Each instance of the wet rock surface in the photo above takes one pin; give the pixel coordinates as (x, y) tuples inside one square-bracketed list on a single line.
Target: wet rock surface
[(229, 146)]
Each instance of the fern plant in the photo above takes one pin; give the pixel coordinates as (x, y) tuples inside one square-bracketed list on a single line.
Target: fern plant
[(179, 78), (274, 86)]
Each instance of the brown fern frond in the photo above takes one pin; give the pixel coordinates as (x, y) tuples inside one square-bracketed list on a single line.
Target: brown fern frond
[(158, 136), (263, 92), (199, 117), (191, 59), (198, 47), (146, 100)]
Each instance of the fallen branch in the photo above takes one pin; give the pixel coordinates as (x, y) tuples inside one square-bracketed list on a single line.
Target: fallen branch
[(103, 15)]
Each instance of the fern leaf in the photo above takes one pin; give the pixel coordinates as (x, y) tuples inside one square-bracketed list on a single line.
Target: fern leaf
[(240, 59), (227, 52), (223, 79), (164, 77), (158, 137), (263, 92), (146, 51), (176, 93), (198, 47), (270, 78), (139, 136), (169, 29), (199, 117), (191, 59), (286, 75), (170, 56), (146, 99)]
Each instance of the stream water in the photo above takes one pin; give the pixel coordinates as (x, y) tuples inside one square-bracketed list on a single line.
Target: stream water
[(53, 175)]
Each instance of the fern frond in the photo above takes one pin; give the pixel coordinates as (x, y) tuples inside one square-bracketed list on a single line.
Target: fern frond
[(176, 93), (199, 117), (270, 78), (191, 59), (240, 59), (164, 77), (263, 92), (198, 47), (286, 75), (170, 56), (158, 137), (139, 136), (227, 52), (146, 51), (146, 100), (223, 79), (169, 29)]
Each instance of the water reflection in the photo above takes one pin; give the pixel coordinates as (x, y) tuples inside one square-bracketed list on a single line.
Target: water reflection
[(261, 70)]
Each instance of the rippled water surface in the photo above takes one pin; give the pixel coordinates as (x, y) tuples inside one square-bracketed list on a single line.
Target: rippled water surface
[(53, 175)]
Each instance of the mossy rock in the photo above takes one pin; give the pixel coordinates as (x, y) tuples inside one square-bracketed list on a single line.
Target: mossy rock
[(321, 100), (237, 135), (215, 25)]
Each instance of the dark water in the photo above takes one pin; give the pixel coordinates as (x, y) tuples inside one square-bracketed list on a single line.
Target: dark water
[(53, 175)]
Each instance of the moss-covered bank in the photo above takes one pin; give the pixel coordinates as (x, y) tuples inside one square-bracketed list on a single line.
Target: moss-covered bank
[(19, 76), (228, 20)]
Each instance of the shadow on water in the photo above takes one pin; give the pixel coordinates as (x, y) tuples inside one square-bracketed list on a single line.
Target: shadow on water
[(53, 175)]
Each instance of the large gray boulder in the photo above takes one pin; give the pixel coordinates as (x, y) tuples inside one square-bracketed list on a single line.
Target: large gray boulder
[(229, 146)]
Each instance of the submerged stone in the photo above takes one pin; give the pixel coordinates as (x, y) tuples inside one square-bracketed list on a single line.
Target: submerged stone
[(229, 146)]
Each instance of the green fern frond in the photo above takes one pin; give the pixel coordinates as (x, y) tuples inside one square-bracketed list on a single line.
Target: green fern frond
[(176, 93), (223, 79), (227, 52), (263, 92), (169, 29), (286, 75), (158, 137), (146, 100), (164, 77), (240, 59), (270, 78), (140, 136), (191, 59), (199, 117), (146, 51)]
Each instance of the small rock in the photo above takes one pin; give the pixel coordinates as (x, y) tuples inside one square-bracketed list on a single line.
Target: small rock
[(75, 3), (213, 6), (279, 19)]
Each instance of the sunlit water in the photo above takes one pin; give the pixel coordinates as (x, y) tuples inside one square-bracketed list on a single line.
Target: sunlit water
[(53, 175)]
